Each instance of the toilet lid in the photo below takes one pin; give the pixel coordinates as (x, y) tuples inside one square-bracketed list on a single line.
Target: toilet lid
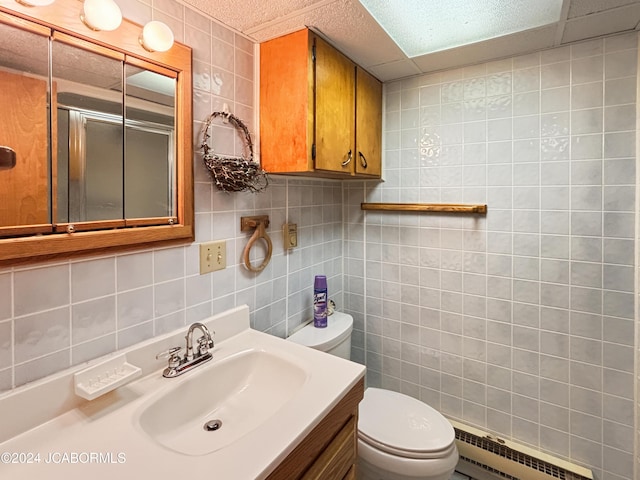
[(401, 425), (339, 327)]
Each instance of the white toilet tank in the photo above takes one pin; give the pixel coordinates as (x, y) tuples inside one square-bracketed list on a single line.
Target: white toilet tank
[(335, 338)]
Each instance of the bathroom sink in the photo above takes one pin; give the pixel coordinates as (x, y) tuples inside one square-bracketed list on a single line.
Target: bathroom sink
[(220, 402), (269, 395)]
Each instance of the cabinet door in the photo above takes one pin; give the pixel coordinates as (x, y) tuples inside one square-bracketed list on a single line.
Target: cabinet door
[(286, 103), (368, 155), (334, 107)]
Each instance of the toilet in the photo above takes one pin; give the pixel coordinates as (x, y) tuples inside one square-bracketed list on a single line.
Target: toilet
[(399, 437)]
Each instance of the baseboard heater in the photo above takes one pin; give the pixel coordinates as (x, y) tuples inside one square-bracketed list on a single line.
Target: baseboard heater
[(504, 459)]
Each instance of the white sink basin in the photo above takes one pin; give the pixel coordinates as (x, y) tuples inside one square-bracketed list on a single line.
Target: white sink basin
[(241, 391)]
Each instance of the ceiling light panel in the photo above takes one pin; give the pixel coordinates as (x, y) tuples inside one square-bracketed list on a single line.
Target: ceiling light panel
[(420, 27)]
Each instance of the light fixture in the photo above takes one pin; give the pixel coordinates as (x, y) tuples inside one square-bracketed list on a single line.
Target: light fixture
[(35, 3), (420, 27), (101, 15), (156, 37)]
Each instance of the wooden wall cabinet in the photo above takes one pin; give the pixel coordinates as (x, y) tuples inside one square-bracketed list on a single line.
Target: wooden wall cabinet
[(329, 452), (320, 113)]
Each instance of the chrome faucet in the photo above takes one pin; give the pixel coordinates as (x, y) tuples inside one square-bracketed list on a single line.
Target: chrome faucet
[(178, 366)]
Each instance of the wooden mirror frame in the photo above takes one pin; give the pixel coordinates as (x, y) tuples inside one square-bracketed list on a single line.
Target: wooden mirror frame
[(64, 16)]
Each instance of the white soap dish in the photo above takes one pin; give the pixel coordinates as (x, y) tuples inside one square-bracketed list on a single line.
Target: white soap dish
[(99, 379)]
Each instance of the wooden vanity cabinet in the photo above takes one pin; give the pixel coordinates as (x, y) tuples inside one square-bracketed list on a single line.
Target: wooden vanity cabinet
[(320, 113), (329, 452)]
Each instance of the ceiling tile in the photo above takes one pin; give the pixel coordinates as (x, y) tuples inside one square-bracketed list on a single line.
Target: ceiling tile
[(515, 44), (612, 21), (581, 8), (394, 70)]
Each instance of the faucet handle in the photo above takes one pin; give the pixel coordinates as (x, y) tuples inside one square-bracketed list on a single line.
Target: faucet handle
[(204, 344), (172, 355), (168, 353)]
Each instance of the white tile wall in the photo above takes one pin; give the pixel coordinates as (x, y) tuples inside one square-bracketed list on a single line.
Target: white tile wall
[(520, 322), (56, 315)]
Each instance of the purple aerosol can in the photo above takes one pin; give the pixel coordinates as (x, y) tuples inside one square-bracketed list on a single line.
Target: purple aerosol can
[(320, 300)]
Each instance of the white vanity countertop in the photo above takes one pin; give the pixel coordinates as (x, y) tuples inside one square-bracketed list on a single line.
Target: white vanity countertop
[(102, 440)]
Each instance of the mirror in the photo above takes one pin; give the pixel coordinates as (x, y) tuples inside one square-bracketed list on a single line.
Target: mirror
[(88, 91), (110, 166), (149, 144), (102, 135)]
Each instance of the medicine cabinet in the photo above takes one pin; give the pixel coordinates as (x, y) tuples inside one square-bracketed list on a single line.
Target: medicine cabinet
[(95, 136)]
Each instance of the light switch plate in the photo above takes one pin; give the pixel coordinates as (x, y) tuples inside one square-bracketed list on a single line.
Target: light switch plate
[(213, 256), (290, 235)]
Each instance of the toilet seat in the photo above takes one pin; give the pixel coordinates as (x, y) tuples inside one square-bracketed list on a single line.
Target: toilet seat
[(407, 454), (404, 426)]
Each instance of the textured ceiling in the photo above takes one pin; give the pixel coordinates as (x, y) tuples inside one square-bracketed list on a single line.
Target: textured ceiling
[(347, 25)]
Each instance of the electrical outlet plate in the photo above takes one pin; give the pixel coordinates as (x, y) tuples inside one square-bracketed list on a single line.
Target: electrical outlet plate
[(290, 234), (213, 256)]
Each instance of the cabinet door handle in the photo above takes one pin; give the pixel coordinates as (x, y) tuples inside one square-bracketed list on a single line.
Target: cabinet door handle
[(363, 160), (348, 160)]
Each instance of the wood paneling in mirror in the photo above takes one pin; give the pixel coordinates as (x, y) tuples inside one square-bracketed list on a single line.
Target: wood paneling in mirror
[(64, 17), (24, 196)]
